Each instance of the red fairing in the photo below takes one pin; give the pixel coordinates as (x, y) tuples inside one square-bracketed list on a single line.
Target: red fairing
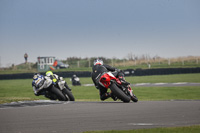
[(106, 78), (118, 81)]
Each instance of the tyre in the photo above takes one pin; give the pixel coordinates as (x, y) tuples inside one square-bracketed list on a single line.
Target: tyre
[(58, 93), (68, 95), (119, 93), (134, 99)]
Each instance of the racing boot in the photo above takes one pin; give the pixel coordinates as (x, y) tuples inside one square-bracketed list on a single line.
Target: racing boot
[(105, 96), (113, 96)]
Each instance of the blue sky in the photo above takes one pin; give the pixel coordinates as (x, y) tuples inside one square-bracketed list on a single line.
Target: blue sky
[(92, 28)]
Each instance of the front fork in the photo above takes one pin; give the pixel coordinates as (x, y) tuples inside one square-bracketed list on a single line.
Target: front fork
[(127, 89), (130, 91)]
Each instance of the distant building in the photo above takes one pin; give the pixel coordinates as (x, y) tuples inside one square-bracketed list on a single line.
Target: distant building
[(45, 63)]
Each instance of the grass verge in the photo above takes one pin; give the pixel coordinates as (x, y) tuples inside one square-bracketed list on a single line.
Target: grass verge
[(20, 90), (186, 129), (83, 93)]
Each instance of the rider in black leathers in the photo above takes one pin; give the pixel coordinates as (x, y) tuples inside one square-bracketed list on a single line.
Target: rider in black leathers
[(98, 69)]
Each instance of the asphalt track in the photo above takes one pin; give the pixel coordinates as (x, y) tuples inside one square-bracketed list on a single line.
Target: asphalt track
[(74, 117)]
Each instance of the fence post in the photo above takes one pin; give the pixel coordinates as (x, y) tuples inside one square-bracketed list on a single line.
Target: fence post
[(78, 64), (169, 61), (89, 62), (112, 62), (135, 62), (0, 61)]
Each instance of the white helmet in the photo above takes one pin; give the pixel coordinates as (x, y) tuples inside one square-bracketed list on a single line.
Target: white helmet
[(98, 62)]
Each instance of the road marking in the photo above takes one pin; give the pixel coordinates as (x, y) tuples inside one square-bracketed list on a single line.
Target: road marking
[(160, 83), (142, 84), (180, 83), (141, 124)]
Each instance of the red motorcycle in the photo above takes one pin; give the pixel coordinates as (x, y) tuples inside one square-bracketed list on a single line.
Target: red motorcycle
[(120, 90)]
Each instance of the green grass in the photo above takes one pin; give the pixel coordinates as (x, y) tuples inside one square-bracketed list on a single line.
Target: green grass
[(165, 78), (155, 79), (16, 90), (186, 129), (167, 93), (144, 93), (19, 90)]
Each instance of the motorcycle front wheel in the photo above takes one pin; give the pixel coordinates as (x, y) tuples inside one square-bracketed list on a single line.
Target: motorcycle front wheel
[(119, 93), (134, 99)]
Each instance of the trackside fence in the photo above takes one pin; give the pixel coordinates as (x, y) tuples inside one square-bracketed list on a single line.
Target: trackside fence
[(128, 72)]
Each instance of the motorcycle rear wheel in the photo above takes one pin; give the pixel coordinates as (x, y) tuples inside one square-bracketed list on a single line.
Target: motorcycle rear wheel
[(68, 94), (119, 93), (58, 93)]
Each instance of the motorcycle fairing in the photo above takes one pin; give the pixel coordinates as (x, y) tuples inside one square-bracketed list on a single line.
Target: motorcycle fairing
[(106, 79)]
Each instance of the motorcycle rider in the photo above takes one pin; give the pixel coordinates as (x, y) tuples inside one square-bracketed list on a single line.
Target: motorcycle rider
[(56, 79), (97, 70), (37, 84), (75, 80)]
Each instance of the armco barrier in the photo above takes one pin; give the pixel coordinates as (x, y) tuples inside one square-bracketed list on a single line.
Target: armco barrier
[(160, 71), (128, 72), (30, 75)]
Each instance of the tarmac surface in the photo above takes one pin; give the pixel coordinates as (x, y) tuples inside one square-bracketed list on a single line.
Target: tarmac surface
[(46, 116)]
